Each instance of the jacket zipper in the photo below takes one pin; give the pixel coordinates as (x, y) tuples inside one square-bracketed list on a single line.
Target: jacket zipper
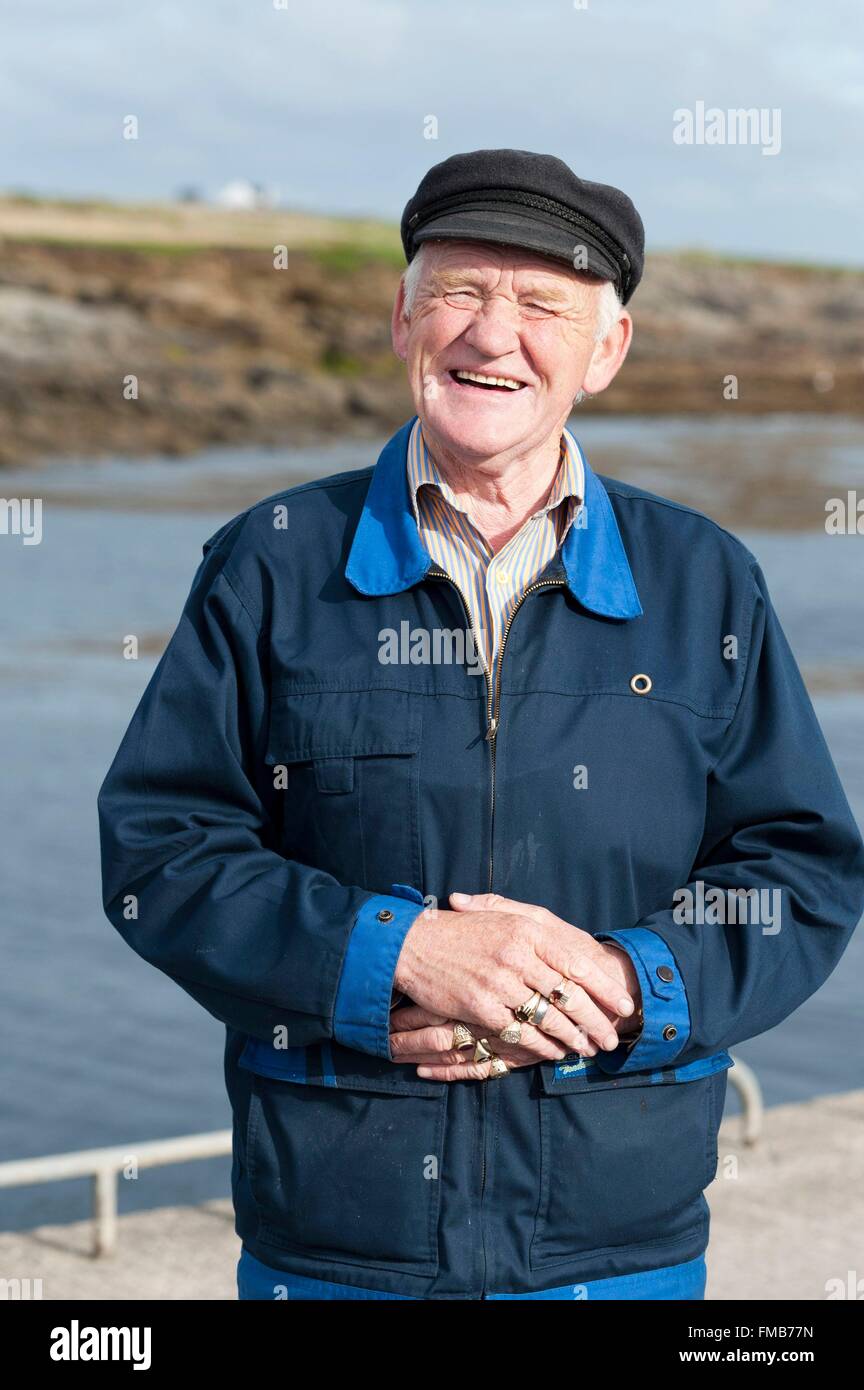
[(495, 703), (493, 708)]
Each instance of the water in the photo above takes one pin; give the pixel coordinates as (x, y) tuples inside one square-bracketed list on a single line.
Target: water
[(98, 1047)]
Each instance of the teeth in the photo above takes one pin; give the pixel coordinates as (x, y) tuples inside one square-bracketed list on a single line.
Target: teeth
[(489, 380)]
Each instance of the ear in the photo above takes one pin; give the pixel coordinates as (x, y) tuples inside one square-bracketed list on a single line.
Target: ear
[(608, 356), (399, 324)]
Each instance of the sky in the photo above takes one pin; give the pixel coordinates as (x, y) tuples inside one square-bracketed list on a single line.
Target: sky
[(331, 106)]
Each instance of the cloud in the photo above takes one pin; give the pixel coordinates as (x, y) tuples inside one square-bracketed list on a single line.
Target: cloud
[(328, 102)]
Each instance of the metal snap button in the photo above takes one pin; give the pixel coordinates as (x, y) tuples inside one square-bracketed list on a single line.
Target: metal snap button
[(385, 915), (666, 973), (641, 684), (670, 1032)]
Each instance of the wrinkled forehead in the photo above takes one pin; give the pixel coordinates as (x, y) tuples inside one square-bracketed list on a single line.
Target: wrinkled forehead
[(489, 260)]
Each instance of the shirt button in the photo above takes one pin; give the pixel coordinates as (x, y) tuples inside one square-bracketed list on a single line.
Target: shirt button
[(665, 973), (502, 577), (385, 915), (670, 1032)]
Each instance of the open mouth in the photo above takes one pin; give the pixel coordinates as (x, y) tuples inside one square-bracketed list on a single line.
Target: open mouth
[(482, 382)]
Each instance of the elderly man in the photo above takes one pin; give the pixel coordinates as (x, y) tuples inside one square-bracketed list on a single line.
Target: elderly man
[(482, 931)]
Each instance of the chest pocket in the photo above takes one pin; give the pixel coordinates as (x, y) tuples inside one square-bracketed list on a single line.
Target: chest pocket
[(624, 1159), (347, 777)]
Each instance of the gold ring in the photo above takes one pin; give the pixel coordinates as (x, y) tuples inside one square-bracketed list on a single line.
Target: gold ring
[(462, 1038), (498, 1067), (559, 996), (525, 1013), (482, 1051), (512, 1033)]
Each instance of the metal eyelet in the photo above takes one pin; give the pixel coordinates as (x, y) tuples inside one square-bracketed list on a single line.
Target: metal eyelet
[(641, 684)]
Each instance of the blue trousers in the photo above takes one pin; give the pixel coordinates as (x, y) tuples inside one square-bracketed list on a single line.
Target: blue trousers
[(685, 1281)]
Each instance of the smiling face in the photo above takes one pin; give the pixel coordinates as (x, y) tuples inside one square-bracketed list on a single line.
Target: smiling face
[(498, 343)]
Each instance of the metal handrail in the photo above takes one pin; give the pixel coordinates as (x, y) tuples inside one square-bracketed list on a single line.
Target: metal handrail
[(746, 1083), (103, 1165)]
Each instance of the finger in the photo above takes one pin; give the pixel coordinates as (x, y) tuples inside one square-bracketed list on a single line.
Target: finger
[(576, 1033), (439, 1039), (438, 1059), (582, 1023), (571, 1038), (412, 1016), (589, 974), (550, 1045), (473, 1071), (442, 1067), (535, 1045), (580, 1013), (433, 1046), (493, 902)]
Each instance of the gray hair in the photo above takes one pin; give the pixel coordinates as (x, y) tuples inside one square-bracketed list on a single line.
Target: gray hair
[(609, 306)]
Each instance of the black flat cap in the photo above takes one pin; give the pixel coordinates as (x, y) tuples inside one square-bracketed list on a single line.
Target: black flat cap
[(534, 201)]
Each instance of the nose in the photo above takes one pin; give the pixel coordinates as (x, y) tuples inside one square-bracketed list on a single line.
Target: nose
[(493, 331)]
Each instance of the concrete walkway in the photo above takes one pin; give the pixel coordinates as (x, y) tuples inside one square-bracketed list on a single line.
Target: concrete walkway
[(787, 1217)]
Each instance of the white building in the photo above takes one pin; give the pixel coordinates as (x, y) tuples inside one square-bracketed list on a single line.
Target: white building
[(242, 195)]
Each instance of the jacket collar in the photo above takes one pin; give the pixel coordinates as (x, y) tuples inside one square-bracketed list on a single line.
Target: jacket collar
[(387, 556)]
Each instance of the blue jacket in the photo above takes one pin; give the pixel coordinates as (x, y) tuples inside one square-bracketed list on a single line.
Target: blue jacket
[(283, 800)]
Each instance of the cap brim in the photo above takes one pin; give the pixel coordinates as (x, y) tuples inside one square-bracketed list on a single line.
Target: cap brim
[(514, 229)]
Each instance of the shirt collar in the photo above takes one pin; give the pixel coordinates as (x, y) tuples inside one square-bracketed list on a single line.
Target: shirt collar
[(388, 556), (569, 481)]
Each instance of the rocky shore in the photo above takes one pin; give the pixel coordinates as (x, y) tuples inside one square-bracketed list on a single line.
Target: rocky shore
[(169, 330)]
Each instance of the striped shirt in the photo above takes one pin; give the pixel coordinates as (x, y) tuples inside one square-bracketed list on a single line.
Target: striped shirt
[(492, 584)]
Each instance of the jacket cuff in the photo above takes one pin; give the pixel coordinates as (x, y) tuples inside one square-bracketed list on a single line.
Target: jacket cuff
[(665, 1010), (363, 999)]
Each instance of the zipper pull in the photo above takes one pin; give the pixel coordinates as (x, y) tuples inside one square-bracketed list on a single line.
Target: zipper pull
[(492, 730)]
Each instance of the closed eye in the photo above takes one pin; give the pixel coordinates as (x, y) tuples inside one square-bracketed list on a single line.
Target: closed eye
[(467, 298), (462, 299), (537, 310)]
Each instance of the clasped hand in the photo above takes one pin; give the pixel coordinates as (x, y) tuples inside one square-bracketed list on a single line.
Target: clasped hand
[(479, 962)]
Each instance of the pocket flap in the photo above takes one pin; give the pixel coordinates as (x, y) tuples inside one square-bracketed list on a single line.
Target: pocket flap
[(583, 1074), (330, 1064), (335, 724)]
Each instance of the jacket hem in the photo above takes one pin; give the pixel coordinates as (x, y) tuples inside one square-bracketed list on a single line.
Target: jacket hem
[(612, 1261), (362, 1275), (588, 1268)]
